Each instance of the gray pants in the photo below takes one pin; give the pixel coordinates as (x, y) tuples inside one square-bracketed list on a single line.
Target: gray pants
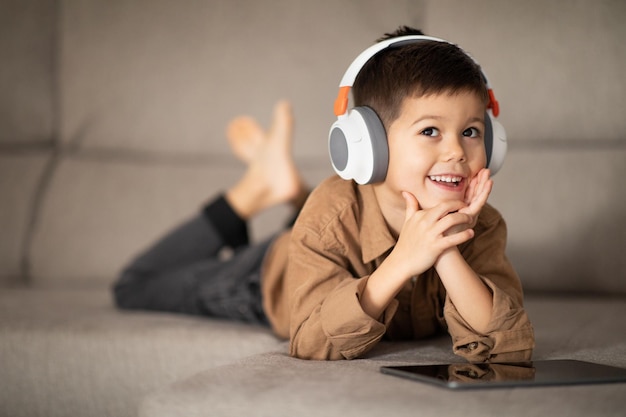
[(183, 272)]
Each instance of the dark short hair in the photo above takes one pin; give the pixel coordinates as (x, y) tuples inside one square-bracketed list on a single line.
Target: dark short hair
[(415, 70)]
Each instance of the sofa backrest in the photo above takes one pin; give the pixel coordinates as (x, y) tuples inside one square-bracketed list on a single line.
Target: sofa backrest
[(113, 126)]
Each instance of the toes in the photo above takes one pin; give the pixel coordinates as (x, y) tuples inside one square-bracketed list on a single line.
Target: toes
[(244, 136), (282, 123)]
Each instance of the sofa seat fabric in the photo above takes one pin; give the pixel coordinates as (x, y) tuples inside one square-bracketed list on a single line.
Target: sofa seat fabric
[(277, 385), (71, 353)]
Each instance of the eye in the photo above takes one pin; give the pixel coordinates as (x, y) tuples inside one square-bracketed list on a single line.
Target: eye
[(430, 131), (472, 132)]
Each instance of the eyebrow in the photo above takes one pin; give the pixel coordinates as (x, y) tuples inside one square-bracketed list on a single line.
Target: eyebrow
[(433, 117)]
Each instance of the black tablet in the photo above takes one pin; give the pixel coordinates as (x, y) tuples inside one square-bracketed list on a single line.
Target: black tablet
[(526, 374)]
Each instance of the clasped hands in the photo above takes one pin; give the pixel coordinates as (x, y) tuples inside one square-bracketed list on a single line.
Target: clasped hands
[(427, 233)]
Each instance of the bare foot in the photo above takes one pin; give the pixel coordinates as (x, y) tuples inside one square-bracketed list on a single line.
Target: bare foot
[(272, 177), (245, 136)]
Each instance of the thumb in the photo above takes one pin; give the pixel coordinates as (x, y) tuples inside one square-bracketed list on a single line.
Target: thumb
[(412, 205)]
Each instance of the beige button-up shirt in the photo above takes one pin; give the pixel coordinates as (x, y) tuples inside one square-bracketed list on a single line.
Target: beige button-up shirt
[(314, 276)]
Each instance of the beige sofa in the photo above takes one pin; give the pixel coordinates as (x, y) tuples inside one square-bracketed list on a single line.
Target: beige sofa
[(111, 131)]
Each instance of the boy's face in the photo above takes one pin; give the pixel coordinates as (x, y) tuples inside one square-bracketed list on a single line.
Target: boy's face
[(435, 147)]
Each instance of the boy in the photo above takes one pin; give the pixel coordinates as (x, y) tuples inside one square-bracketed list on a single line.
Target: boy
[(414, 253)]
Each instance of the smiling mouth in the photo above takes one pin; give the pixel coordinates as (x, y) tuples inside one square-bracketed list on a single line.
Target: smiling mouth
[(447, 180)]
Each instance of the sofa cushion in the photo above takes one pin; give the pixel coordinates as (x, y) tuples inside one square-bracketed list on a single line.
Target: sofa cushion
[(566, 216), (116, 207), (557, 71), (27, 73), (158, 76), (113, 210), (277, 385), (71, 353), (20, 177)]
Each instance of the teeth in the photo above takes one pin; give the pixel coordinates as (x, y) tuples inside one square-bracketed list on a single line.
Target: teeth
[(445, 178)]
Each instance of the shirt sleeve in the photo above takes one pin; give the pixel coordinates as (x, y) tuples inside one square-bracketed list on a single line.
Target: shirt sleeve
[(327, 321), (509, 335)]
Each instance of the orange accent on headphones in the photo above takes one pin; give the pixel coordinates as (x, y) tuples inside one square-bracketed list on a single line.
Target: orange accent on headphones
[(341, 102), (493, 103)]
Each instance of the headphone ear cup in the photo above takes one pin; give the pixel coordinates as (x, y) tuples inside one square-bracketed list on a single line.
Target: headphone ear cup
[(358, 148), (495, 143)]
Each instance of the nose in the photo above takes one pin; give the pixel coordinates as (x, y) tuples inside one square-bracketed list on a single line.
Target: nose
[(454, 150)]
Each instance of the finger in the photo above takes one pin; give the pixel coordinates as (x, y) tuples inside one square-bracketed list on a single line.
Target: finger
[(482, 180), (483, 194), (412, 205), (479, 202), (487, 188), (476, 185), (456, 239), (443, 209), (471, 190), (453, 223)]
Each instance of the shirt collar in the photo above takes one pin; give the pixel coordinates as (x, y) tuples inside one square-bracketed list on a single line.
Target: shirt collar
[(376, 239)]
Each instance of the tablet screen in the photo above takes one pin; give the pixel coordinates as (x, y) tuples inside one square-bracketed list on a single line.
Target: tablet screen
[(486, 375)]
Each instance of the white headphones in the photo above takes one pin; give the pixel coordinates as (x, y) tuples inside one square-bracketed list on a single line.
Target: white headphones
[(357, 141)]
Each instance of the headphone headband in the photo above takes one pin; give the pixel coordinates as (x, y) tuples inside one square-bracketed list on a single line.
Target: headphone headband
[(347, 81)]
